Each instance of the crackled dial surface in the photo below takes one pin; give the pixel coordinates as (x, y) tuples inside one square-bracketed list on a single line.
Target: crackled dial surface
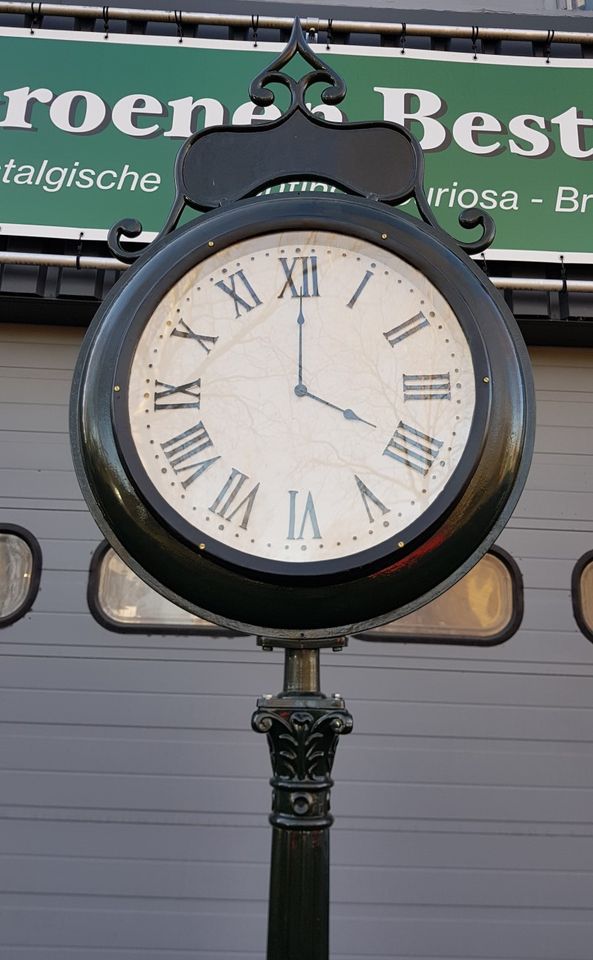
[(300, 397)]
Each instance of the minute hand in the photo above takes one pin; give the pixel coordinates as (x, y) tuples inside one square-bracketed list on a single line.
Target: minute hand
[(300, 321), (347, 413)]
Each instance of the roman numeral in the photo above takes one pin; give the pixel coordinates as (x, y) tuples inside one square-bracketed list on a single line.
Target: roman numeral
[(305, 269), (406, 329), (185, 447), (225, 500), (168, 392), (417, 450), (368, 496), (427, 386), (308, 515), (360, 288), (189, 334), (239, 280)]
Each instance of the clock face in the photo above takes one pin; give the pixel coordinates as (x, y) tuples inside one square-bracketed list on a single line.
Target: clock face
[(299, 397), (301, 416)]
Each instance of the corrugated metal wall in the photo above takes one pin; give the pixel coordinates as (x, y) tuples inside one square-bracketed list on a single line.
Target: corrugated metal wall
[(133, 795)]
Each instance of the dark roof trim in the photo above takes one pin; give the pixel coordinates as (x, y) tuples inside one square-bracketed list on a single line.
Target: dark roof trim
[(535, 29)]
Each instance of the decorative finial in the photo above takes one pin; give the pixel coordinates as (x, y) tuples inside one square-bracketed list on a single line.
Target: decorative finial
[(321, 73)]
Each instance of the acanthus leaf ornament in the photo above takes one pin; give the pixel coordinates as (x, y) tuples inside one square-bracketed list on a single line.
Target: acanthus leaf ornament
[(302, 740)]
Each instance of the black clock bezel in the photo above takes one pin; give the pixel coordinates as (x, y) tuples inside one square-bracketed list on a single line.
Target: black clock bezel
[(317, 598), (369, 559)]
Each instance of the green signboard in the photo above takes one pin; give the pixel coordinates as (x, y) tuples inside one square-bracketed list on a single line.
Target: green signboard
[(90, 126)]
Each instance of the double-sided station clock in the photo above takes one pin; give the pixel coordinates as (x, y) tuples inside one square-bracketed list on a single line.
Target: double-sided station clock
[(302, 416)]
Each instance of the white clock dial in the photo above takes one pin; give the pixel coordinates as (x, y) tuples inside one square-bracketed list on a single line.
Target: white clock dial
[(301, 396)]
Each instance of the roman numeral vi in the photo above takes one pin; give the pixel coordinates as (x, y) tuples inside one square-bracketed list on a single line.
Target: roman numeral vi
[(308, 516)]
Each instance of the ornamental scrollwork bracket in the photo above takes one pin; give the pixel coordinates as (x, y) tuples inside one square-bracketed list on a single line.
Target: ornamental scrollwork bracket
[(376, 160)]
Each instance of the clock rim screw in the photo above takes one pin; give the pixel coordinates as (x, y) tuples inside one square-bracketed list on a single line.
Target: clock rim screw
[(211, 243), (486, 379), (201, 546), (116, 389), (401, 543), (383, 236)]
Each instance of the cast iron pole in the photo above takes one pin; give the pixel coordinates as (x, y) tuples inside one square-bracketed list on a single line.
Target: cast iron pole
[(303, 727)]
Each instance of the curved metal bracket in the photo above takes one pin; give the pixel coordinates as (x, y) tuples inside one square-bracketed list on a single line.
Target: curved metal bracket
[(297, 44), (377, 160)]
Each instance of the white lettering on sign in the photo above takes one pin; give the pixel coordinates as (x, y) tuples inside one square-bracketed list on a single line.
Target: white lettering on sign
[(401, 105), (481, 133), (54, 178), (129, 108), (424, 112), (571, 200)]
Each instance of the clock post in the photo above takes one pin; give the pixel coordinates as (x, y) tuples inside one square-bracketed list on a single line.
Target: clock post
[(303, 727), (302, 471)]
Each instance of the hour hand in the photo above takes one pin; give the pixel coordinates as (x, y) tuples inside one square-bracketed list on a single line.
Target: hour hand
[(348, 414)]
